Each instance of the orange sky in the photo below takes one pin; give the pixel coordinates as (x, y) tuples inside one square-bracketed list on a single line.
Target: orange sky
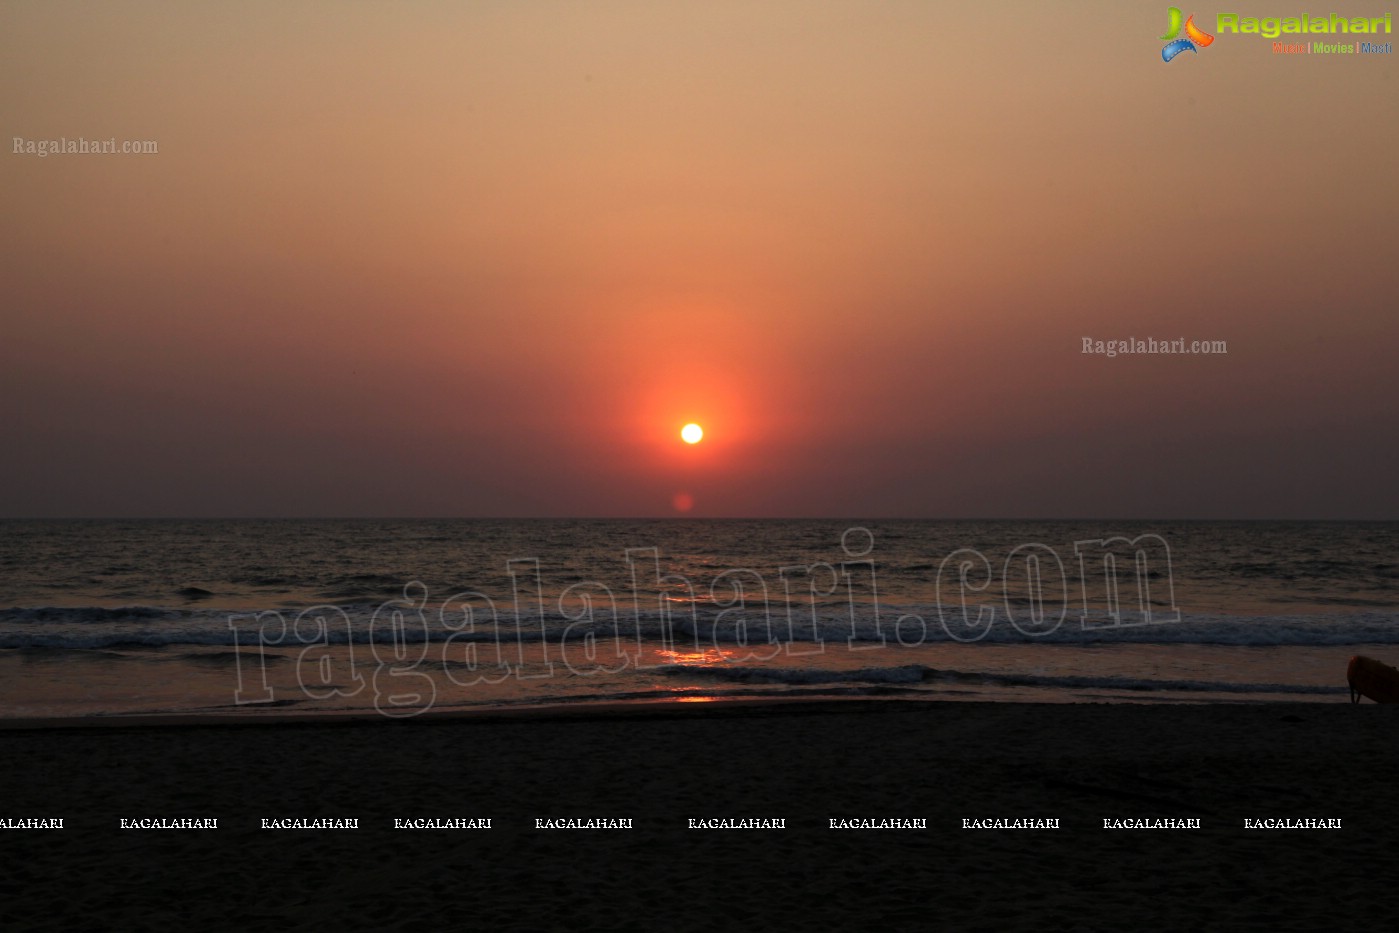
[(487, 258)]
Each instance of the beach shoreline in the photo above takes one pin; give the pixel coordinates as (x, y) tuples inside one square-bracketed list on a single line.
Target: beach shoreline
[(663, 707), (615, 709)]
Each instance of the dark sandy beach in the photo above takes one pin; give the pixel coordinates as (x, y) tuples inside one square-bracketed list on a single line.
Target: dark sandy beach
[(660, 766)]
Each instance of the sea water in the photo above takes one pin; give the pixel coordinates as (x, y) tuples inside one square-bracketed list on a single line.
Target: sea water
[(214, 616)]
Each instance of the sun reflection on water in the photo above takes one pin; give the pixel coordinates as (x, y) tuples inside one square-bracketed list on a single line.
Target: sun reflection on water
[(706, 658)]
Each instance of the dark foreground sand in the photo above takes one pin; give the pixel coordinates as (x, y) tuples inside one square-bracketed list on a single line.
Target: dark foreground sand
[(805, 762)]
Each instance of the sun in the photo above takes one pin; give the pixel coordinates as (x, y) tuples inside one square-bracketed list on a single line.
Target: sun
[(692, 433)]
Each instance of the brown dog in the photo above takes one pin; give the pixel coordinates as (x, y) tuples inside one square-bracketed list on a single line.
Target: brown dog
[(1368, 677)]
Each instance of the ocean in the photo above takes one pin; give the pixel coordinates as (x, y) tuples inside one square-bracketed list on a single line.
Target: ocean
[(106, 617)]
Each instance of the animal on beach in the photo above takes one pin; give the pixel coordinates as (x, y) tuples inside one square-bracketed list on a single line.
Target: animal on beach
[(1373, 679)]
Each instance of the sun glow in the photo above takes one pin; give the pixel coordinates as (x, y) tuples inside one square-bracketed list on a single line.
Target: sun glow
[(691, 433)]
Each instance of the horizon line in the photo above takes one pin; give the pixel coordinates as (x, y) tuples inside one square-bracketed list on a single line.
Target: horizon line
[(653, 518)]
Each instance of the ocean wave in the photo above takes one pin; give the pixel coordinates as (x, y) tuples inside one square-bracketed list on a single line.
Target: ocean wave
[(86, 614), (695, 625), (917, 673)]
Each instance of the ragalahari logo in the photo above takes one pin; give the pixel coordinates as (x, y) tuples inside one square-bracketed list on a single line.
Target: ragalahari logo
[(1175, 46)]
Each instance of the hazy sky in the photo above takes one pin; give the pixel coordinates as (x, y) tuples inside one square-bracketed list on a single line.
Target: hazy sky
[(471, 258)]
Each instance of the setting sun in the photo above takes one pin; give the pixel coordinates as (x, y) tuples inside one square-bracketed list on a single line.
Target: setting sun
[(691, 433)]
